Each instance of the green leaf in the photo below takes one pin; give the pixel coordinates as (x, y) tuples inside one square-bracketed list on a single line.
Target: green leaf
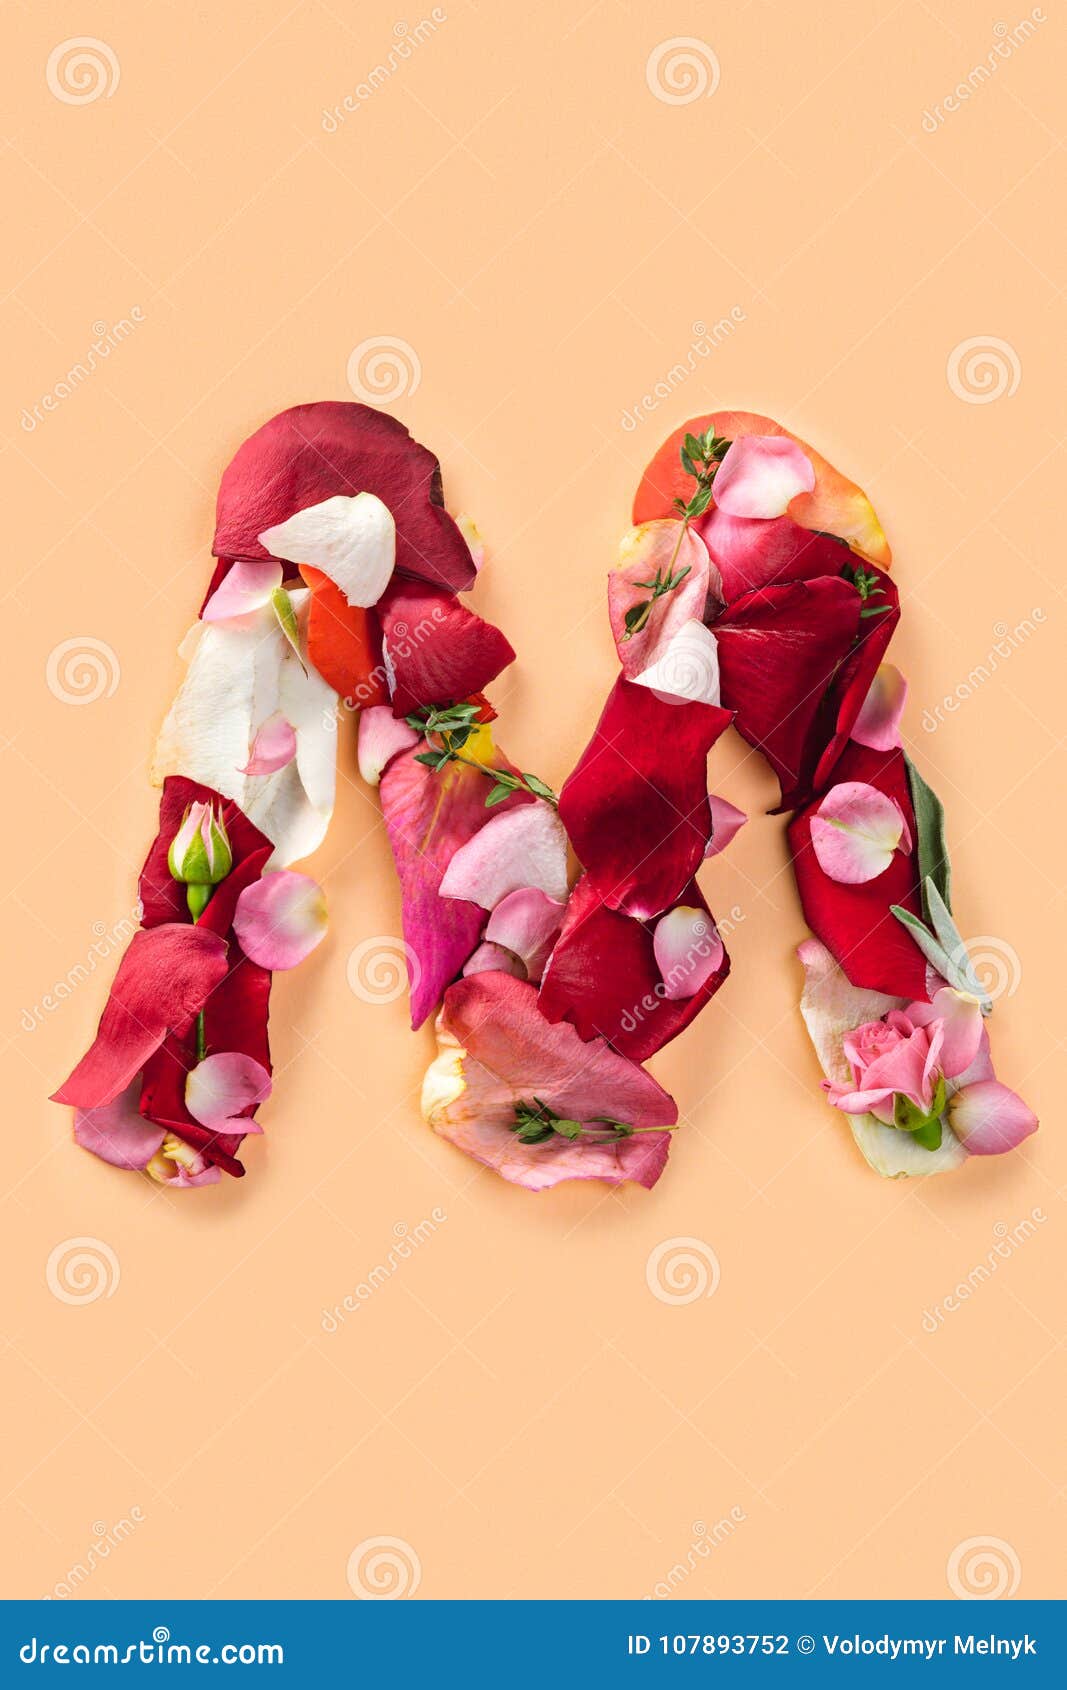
[(282, 605), (538, 786), (497, 794), (699, 503), (430, 758), (930, 826), (932, 950), (929, 1134)]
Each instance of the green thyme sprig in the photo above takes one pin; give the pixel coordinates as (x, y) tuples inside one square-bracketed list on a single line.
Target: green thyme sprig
[(446, 731), (537, 1122), (664, 582), (866, 585), (701, 456)]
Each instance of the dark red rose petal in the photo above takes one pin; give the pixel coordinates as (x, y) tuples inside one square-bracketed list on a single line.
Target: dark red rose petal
[(852, 682), (440, 651), (636, 807), (312, 453), (854, 922), (602, 977), (753, 552), (163, 897)]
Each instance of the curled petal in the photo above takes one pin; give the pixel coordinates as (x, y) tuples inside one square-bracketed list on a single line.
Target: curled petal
[(247, 587), (117, 1132), (527, 922), (726, 821), (990, 1118), (352, 540), (855, 831), (489, 956), (382, 736), (280, 919), (761, 474), (524, 847), (878, 722), (656, 550), (687, 949), (273, 747), (687, 666), (224, 1085), (960, 1016)]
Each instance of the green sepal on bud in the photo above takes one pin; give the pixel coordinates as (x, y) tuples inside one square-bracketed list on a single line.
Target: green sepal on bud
[(200, 854)]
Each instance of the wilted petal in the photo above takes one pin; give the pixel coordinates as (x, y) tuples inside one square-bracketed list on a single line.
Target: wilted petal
[(855, 831), (352, 540), (687, 666), (382, 736), (726, 821), (437, 650), (688, 950), (497, 1050), (990, 1118), (489, 956), (761, 474), (247, 587), (657, 548), (224, 1085), (280, 919), (117, 1132), (878, 722), (273, 747), (524, 847), (527, 922)]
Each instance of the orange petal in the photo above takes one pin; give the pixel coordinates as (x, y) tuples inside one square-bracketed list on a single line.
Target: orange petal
[(343, 643)]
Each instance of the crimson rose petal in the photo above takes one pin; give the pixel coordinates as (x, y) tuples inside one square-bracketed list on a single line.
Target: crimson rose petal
[(439, 651)]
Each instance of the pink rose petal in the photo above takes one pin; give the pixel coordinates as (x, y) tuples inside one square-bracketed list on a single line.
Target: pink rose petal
[(280, 919), (878, 722), (726, 821), (273, 747), (247, 587), (657, 547), (381, 737), (989, 1118), (960, 1015), (527, 922), (761, 474), (352, 540), (524, 847), (855, 831), (687, 949), (117, 1132), (223, 1086), (489, 956)]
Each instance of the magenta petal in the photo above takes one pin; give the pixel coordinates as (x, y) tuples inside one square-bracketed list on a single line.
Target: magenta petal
[(247, 587), (280, 919), (273, 748), (761, 474), (224, 1085), (117, 1132), (490, 956), (496, 1050), (878, 722), (750, 553), (726, 821), (989, 1118), (381, 737), (687, 949), (527, 922), (524, 847)]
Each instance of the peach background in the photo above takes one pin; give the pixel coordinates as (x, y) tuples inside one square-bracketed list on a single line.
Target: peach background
[(518, 206)]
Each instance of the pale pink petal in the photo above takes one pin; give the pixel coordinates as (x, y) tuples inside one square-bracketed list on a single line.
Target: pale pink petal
[(352, 540), (855, 831), (657, 548), (523, 847), (878, 723), (280, 919), (117, 1132), (381, 736), (687, 949), (246, 586), (989, 1118), (687, 667), (472, 534), (184, 1181), (961, 1017), (489, 956), (528, 923), (273, 747), (726, 821), (222, 1086), (760, 474)]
